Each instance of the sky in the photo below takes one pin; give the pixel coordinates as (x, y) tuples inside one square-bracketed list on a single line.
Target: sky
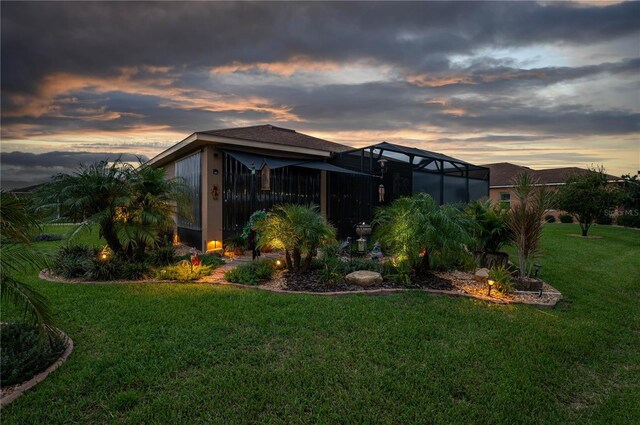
[(541, 84)]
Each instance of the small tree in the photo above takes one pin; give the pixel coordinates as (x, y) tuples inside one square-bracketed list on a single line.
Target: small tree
[(587, 196), (414, 228), (526, 219), (298, 230)]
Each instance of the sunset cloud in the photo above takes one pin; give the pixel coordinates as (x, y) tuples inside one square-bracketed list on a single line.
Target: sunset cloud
[(478, 80)]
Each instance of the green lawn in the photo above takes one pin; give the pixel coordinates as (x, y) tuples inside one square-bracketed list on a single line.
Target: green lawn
[(186, 353)]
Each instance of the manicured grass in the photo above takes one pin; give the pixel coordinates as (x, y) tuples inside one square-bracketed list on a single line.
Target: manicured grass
[(185, 353)]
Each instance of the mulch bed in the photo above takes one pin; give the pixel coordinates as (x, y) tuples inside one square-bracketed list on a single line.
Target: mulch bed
[(310, 281), (451, 282)]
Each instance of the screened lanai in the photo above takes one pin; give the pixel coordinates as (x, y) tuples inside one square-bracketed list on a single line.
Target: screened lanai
[(401, 171)]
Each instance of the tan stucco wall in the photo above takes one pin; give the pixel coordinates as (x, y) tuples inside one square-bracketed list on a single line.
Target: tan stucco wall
[(211, 208), (494, 195)]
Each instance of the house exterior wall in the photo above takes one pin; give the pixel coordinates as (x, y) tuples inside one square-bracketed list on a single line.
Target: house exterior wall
[(211, 204), (495, 192)]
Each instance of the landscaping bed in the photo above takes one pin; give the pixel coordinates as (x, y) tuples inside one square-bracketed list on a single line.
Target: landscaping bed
[(311, 282), (448, 283), (28, 357)]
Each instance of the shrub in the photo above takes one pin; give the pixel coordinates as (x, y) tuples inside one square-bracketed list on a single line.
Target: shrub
[(73, 261), (251, 273), (362, 264), (566, 218), (244, 273), (550, 218), (489, 225), (628, 220), (604, 220), (23, 355), (264, 268), (134, 270), (205, 260), (162, 256), (502, 278), (183, 271), (109, 269)]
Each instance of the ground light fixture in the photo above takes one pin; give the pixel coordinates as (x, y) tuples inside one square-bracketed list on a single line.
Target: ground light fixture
[(490, 283), (278, 263)]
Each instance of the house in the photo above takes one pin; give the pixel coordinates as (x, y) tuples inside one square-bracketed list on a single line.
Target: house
[(232, 172), (503, 174)]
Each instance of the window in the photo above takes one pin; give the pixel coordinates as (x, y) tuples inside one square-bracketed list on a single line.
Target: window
[(505, 198), (189, 170)]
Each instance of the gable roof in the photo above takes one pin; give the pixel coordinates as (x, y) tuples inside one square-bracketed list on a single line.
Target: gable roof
[(278, 135), (503, 173)]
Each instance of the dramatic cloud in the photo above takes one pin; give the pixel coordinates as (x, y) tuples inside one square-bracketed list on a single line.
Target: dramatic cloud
[(465, 78), (24, 168)]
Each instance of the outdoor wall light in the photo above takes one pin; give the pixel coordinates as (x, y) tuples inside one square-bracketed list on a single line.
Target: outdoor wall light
[(215, 171), (213, 245), (491, 283), (278, 263)]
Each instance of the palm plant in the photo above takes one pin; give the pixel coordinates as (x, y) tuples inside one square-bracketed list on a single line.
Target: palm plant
[(131, 206), (16, 226), (415, 228), (91, 195), (148, 209), (490, 227), (298, 230), (526, 220)]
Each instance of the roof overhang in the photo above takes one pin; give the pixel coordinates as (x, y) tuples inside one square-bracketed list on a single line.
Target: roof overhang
[(197, 140)]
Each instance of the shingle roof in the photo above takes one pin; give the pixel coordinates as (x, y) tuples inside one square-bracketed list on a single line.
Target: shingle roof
[(277, 135), (503, 173)]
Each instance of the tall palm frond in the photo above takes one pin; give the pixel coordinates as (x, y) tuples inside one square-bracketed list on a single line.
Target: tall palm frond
[(16, 225)]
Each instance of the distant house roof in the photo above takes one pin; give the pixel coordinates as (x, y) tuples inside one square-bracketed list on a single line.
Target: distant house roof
[(277, 135), (503, 173)]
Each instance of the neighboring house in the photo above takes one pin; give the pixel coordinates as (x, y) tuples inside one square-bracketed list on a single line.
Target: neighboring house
[(503, 173), (233, 172)]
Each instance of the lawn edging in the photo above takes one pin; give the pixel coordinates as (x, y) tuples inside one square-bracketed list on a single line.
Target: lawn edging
[(27, 385), (46, 275)]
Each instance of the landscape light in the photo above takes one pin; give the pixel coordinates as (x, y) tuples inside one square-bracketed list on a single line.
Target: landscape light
[(491, 283)]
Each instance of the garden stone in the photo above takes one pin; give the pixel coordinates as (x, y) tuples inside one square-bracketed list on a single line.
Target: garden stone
[(482, 275), (364, 278)]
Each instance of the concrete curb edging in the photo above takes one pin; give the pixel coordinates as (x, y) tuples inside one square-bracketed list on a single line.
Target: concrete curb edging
[(23, 387), (381, 291)]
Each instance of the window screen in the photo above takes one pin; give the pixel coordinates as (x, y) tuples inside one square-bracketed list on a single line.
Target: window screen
[(189, 170)]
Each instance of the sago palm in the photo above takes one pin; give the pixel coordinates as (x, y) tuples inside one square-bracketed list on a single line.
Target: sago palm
[(16, 227), (414, 228), (298, 230), (148, 209)]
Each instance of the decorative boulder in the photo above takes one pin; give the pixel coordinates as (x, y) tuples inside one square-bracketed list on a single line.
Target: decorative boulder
[(482, 275), (364, 278)]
